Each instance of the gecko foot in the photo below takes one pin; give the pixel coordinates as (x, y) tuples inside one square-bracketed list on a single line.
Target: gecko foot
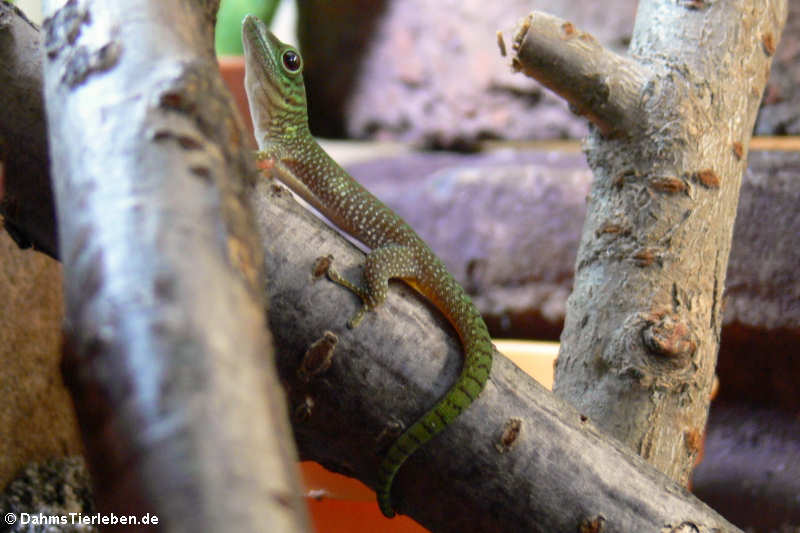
[(337, 278)]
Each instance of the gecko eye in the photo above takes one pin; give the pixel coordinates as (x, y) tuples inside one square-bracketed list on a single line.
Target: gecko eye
[(291, 61)]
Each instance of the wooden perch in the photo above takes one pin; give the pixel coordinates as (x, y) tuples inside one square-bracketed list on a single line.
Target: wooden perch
[(596, 82), (642, 327), (166, 351), (553, 474)]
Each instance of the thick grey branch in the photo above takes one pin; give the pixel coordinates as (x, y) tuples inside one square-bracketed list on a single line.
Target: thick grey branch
[(168, 358), (605, 87), (556, 473), (642, 328)]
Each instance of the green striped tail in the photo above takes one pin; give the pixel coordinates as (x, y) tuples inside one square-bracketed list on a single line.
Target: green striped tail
[(475, 373)]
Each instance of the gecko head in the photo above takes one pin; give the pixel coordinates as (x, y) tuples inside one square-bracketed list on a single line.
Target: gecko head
[(273, 81)]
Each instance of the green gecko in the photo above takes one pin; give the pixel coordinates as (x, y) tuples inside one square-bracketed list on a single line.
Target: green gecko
[(277, 97)]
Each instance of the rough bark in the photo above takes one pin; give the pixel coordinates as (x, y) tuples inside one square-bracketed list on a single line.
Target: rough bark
[(167, 354), (642, 329), (557, 473), (26, 200), (602, 85)]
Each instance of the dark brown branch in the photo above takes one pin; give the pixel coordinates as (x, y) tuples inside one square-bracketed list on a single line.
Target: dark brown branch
[(167, 354), (597, 83), (26, 201)]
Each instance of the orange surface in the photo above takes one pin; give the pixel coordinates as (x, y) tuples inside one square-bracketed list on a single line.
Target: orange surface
[(342, 516), (321, 483)]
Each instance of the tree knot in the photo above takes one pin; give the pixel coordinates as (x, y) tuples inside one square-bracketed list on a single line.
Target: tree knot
[(667, 335)]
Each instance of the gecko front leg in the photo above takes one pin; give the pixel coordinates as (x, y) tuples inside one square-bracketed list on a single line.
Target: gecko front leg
[(381, 265)]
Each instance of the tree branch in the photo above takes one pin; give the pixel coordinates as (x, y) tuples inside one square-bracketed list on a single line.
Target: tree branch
[(642, 328), (555, 473), (596, 82), (26, 201), (167, 354)]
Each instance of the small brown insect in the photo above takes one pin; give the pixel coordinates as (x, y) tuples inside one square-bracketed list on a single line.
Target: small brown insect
[(201, 171), (162, 135), (644, 257), (708, 178), (318, 357), (321, 266), (568, 28), (668, 184), (694, 5), (509, 436), (738, 150), (187, 142), (171, 100), (612, 228), (768, 41)]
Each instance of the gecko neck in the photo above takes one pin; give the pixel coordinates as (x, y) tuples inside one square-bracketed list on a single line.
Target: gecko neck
[(302, 165), (278, 139)]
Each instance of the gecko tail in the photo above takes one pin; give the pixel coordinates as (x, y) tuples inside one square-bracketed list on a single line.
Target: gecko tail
[(468, 386)]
